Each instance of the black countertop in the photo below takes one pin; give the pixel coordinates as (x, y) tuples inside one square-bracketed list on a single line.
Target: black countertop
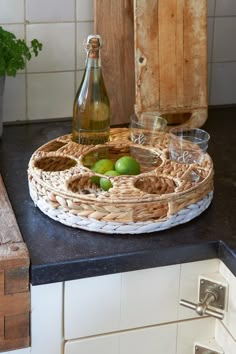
[(59, 252)]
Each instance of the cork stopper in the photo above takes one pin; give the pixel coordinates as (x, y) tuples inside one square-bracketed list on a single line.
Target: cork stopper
[(92, 45)]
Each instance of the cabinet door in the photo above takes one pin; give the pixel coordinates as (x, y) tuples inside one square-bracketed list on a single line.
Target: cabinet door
[(122, 301), (194, 331), (100, 345), (92, 306), (152, 340), (224, 338)]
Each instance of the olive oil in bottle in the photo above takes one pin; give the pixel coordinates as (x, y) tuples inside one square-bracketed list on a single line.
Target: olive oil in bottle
[(91, 110)]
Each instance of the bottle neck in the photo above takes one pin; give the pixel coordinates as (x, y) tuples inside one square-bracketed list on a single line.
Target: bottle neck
[(93, 62), (93, 58)]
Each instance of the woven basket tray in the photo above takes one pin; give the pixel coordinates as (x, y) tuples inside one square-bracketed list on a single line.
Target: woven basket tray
[(161, 196)]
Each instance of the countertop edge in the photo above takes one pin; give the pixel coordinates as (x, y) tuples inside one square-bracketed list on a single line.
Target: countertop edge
[(52, 273)]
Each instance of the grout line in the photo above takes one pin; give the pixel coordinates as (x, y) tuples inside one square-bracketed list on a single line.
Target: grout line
[(26, 69), (52, 72), (226, 329), (46, 22), (211, 57), (139, 328)]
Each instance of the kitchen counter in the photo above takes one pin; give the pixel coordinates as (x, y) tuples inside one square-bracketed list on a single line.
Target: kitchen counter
[(59, 253)]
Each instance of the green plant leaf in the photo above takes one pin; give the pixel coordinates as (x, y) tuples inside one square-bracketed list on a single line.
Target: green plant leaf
[(15, 52)]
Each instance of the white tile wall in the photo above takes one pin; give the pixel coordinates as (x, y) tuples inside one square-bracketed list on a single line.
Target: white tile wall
[(84, 10), (223, 83), (58, 47), (15, 109), (211, 7), (50, 10), (62, 26), (224, 32), (46, 89), (12, 11), (225, 8), (221, 52), (50, 95)]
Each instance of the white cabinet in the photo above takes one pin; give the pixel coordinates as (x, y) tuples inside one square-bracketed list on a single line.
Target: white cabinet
[(92, 306), (134, 312), (151, 340), (47, 319), (121, 301), (172, 338), (137, 312)]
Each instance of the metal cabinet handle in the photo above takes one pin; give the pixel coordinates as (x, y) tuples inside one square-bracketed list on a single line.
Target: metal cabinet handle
[(202, 307)]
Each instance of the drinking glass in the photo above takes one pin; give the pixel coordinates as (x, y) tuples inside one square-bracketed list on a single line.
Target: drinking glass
[(188, 145), (147, 128)]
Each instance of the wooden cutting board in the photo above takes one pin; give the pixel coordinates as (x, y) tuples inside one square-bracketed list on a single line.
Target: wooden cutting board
[(167, 69), (14, 280), (114, 22), (171, 57)]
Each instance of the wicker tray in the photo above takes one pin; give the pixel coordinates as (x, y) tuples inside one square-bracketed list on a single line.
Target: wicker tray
[(160, 197)]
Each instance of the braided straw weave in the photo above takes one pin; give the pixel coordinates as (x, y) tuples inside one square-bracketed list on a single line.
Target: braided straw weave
[(161, 196)]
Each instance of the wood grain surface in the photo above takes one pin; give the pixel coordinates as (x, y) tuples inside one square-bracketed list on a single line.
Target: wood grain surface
[(14, 280), (171, 57), (114, 22)]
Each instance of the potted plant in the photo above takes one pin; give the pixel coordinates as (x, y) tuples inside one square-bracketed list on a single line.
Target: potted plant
[(13, 56)]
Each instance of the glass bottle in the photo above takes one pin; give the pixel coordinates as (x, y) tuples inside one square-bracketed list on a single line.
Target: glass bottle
[(91, 110)]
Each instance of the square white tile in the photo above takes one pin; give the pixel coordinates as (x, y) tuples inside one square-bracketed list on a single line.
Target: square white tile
[(84, 10), (12, 11), (50, 10), (14, 101), (58, 53), (209, 67), (152, 340), (18, 31), (225, 7), (149, 296), (210, 28), (211, 7), (50, 95), (83, 30), (223, 84), (224, 38)]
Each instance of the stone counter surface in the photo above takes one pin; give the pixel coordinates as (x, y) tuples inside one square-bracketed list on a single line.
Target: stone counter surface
[(59, 253)]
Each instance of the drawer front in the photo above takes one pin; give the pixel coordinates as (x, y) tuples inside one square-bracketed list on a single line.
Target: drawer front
[(92, 306), (153, 340), (121, 301)]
